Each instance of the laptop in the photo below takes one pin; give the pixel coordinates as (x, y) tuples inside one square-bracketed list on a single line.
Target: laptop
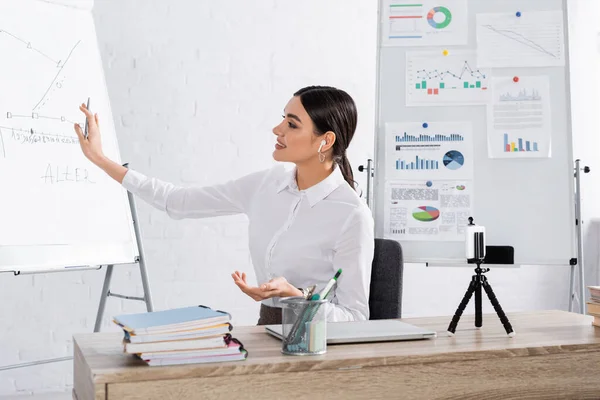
[(380, 330)]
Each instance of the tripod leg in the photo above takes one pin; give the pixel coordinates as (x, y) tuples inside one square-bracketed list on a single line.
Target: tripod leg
[(497, 307), (461, 307), (478, 316)]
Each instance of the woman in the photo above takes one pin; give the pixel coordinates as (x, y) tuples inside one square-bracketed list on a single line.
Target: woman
[(305, 224)]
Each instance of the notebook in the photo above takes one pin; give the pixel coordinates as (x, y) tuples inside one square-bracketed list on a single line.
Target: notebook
[(171, 320), (198, 333), (213, 342), (241, 355), (233, 347)]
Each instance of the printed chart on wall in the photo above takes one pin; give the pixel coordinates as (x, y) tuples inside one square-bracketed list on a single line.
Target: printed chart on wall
[(428, 211), (424, 23), (535, 39), (434, 79), (434, 150), (429, 174), (519, 120)]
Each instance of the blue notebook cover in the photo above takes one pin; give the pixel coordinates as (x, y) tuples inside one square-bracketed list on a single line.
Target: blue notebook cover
[(146, 320)]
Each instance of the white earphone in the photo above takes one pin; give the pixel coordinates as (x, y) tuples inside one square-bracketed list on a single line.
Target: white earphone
[(323, 143), (321, 155)]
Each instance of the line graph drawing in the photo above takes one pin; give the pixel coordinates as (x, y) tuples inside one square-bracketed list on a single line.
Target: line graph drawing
[(57, 64), (517, 37), (57, 74), (30, 135), (523, 95), (432, 78), (34, 115), (25, 126), (536, 39), (425, 74), (29, 46)]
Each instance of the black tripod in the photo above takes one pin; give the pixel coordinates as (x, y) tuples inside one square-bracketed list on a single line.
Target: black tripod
[(477, 282)]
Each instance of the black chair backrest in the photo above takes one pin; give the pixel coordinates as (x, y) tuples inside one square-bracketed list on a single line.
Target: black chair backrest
[(385, 299)]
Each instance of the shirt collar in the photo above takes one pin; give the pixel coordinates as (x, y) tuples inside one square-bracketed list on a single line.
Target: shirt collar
[(316, 192), (289, 180)]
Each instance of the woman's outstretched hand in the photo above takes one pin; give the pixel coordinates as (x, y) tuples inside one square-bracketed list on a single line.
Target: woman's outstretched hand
[(276, 287), (92, 145)]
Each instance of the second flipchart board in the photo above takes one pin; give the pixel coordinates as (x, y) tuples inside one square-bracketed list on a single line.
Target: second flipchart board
[(474, 120)]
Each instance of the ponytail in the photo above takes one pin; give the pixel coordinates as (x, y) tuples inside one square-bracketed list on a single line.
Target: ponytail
[(346, 170)]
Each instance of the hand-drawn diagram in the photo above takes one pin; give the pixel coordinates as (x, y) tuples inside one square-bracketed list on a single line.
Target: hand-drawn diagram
[(32, 126)]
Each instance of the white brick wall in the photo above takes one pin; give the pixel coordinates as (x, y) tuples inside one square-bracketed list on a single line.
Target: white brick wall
[(196, 87)]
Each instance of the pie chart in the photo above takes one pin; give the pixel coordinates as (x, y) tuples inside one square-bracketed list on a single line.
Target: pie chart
[(435, 12), (453, 159), (426, 213)]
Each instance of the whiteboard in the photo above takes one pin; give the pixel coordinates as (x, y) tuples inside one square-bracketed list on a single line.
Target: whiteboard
[(56, 208), (524, 203)]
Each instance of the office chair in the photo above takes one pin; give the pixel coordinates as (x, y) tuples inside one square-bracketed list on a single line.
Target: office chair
[(385, 299)]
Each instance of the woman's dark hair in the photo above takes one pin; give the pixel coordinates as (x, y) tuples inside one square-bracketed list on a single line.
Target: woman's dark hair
[(332, 109)]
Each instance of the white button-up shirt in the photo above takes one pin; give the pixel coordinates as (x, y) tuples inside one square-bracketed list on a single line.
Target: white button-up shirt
[(303, 235)]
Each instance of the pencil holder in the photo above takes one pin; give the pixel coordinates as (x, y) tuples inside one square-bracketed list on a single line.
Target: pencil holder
[(304, 326)]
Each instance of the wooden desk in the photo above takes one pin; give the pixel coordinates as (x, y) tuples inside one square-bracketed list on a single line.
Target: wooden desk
[(555, 354)]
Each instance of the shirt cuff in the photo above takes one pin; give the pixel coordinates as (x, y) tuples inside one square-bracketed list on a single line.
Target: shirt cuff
[(132, 181)]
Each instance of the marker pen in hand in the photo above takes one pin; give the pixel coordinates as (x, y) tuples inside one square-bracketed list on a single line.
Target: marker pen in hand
[(85, 132)]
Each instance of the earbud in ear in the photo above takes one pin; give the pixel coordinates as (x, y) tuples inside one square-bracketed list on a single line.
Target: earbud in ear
[(323, 143)]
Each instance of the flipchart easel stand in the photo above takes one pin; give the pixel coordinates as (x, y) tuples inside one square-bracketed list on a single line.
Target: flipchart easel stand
[(579, 261), (140, 260)]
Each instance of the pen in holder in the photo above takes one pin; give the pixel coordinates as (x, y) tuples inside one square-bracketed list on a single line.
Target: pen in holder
[(304, 326)]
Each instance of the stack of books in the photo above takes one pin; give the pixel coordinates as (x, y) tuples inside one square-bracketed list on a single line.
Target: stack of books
[(186, 335), (593, 306)]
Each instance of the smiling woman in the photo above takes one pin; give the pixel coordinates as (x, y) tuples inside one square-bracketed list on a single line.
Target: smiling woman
[(305, 224), (333, 130)]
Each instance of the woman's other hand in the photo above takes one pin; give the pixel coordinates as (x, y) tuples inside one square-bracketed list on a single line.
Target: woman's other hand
[(276, 287)]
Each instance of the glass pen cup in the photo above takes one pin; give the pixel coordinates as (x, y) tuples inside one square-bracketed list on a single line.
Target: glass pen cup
[(304, 326)]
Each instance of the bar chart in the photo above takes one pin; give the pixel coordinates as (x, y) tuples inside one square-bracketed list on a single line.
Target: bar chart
[(417, 164), (477, 84), (429, 150), (519, 120), (519, 145), (437, 137)]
